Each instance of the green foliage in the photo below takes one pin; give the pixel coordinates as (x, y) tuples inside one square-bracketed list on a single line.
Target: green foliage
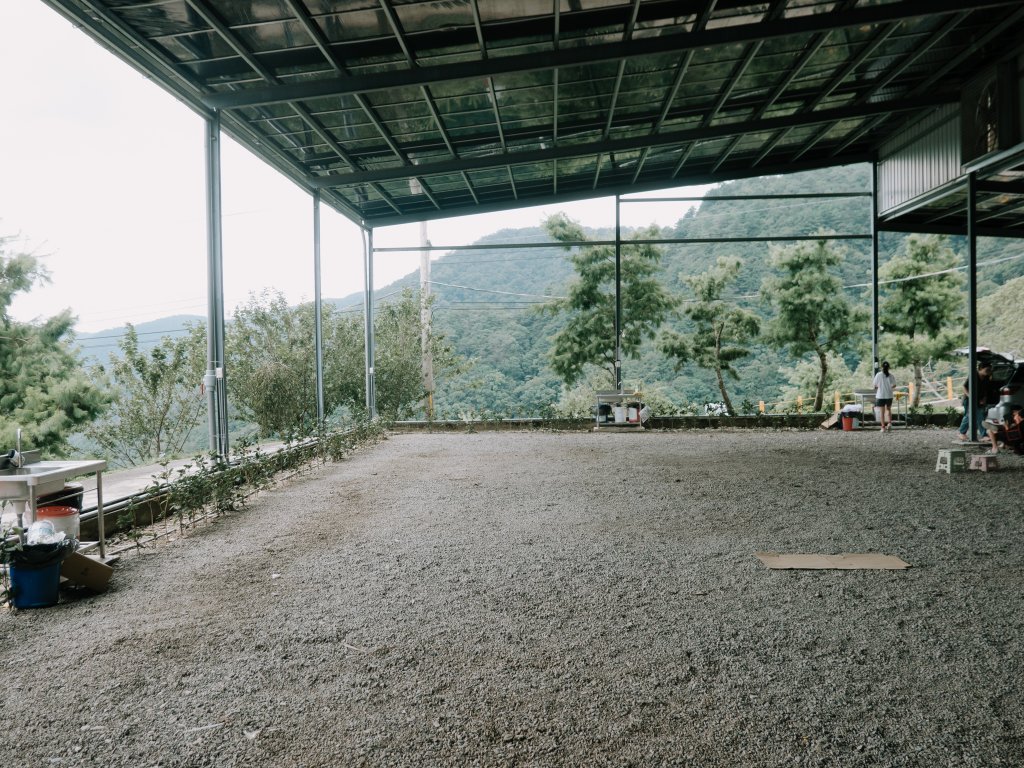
[(397, 356), (721, 329), (921, 317), (272, 364), (802, 382), (588, 337), (209, 486), (1001, 318), (157, 400), (812, 313), (43, 387)]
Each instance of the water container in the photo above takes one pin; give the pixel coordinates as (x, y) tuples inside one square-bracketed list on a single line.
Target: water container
[(65, 519), (35, 586)]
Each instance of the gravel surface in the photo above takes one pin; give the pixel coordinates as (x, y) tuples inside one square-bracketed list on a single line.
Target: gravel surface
[(568, 599)]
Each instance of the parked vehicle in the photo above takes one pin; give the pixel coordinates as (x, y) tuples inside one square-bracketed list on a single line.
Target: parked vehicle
[(1008, 375)]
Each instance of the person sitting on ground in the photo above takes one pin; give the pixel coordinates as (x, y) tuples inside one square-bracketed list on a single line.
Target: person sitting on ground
[(1010, 434)]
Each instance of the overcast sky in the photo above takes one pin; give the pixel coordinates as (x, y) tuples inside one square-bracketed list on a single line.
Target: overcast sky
[(102, 174)]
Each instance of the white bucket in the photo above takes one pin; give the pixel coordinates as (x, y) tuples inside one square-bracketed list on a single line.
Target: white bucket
[(64, 519), (620, 414), (632, 415)]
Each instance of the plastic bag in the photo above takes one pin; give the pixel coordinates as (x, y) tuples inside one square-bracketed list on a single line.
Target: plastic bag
[(43, 532)]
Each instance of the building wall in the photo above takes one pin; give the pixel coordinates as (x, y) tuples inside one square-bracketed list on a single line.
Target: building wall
[(919, 159)]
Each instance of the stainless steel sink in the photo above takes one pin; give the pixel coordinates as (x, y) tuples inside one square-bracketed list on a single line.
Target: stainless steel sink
[(43, 477)]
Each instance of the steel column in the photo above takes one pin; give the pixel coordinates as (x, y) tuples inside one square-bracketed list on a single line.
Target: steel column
[(318, 335), (874, 268), (972, 301), (371, 386), (215, 380), (618, 297)]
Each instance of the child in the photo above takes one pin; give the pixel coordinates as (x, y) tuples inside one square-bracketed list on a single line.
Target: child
[(884, 383)]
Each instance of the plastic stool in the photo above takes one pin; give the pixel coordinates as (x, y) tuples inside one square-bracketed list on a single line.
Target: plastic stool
[(951, 461), (984, 463)]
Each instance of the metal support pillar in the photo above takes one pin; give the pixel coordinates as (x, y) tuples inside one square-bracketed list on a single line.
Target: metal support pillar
[(215, 380), (371, 386), (874, 268), (318, 336), (972, 302), (618, 296)]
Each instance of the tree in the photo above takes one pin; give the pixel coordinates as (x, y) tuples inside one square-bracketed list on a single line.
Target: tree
[(720, 328), (812, 313), (43, 386), (588, 337), (272, 366), (397, 356), (157, 398), (922, 297)]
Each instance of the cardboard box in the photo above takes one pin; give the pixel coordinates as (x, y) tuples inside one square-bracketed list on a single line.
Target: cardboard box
[(86, 571)]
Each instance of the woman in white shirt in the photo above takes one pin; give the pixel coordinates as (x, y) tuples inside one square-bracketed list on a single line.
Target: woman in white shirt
[(885, 383)]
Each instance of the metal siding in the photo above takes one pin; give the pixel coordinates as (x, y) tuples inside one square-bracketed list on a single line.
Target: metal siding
[(920, 158)]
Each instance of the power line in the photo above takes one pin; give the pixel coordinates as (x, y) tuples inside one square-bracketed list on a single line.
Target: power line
[(503, 293)]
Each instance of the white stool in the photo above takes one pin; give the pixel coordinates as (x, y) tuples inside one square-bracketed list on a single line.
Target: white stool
[(984, 463), (950, 461)]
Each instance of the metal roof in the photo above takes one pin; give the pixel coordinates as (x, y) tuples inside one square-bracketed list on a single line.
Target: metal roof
[(404, 110)]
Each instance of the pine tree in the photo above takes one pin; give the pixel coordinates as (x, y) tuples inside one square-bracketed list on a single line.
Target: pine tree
[(588, 337), (44, 389), (721, 328), (812, 313), (922, 304)]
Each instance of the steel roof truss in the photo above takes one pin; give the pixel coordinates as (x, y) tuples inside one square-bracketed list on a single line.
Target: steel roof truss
[(886, 13)]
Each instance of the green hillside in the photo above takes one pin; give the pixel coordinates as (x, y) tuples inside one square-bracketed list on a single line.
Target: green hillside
[(488, 301)]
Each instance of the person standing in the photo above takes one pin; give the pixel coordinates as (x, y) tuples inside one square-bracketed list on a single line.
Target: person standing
[(983, 398), (885, 384)]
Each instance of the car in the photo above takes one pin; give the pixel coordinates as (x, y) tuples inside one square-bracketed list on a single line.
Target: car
[(1008, 375)]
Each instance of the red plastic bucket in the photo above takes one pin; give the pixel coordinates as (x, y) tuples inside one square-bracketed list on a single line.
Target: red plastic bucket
[(65, 519), (847, 423)]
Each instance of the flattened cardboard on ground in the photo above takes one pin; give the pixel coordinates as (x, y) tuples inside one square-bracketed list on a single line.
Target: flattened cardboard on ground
[(87, 571), (844, 561)]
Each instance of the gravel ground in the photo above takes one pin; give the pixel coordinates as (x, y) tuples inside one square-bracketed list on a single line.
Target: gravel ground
[(555, 600)]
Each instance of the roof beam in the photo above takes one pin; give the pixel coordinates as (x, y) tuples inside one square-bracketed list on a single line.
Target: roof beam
[(728, 130), (585, 193), (894, 72), (592, 54)]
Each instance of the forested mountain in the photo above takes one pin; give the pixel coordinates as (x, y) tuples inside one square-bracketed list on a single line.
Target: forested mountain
[(507, 340), (489, 301)]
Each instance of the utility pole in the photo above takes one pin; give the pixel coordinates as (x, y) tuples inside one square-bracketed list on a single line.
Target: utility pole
[(427, 360)]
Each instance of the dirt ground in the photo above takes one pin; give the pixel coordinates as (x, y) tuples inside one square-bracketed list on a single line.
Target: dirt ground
[(554, 599)]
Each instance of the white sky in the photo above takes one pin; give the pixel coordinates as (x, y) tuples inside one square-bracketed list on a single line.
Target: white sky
[(102, 173)]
